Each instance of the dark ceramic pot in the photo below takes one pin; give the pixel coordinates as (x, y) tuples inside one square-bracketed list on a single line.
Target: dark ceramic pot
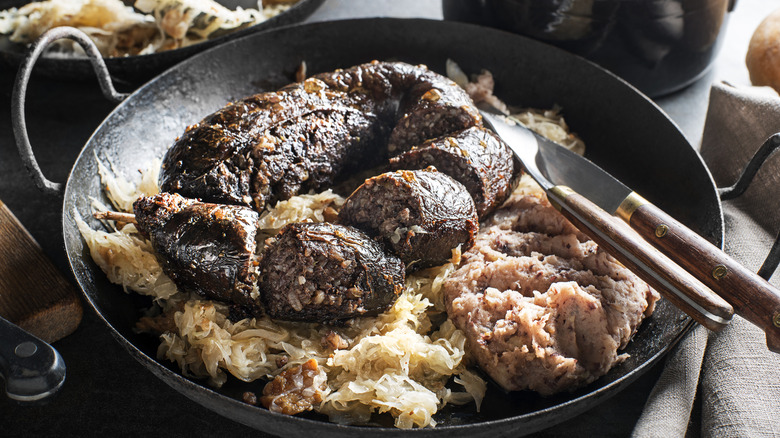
[(659, 46)]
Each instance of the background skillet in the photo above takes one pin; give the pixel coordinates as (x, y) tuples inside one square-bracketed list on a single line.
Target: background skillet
[(625, 133), (139, 69)]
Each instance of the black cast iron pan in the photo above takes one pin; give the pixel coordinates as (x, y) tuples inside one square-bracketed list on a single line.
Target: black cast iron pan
[(625, 133), (135, 70)]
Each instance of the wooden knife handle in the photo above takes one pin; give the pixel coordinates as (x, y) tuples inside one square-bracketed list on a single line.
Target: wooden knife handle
[(34, 295), (753, 297), (623, 243)]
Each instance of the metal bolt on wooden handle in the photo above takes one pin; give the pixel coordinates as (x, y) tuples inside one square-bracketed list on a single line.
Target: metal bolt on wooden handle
[(751, 296), (677, 285)]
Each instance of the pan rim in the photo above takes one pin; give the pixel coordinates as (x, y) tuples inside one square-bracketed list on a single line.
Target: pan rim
[(166, 374)]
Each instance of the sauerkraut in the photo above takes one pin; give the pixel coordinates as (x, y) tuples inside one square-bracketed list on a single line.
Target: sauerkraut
[(128, 260), (546, 122), (397, 362), (317, 207), (120, 30), (123, 254)]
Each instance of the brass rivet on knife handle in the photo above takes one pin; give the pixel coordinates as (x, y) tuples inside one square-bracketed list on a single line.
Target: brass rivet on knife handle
[(661, 230), (629, 206), (752, 297), (776, 319), (677, 285), (719, 272)]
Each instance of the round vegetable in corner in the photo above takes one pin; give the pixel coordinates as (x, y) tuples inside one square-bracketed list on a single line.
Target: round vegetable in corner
[(763, 56)]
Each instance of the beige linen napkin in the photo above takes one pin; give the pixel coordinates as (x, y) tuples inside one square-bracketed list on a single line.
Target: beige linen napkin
[(734, 375)]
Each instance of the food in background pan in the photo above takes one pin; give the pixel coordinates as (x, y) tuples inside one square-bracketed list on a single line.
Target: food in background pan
[(119, 30), (568, 310)]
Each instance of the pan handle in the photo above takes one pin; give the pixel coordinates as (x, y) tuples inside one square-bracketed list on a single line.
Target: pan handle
[(743, 182), (20, 91)]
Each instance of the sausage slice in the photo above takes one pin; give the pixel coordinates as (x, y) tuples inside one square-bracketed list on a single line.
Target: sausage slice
[(421, 215), (475, 157), (205, 248), (320, 272)]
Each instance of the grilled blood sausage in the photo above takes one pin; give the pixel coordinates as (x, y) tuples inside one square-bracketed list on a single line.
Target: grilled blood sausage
[(324, 272), (274, 145), (421, 215), (475, 157), (204, 248)]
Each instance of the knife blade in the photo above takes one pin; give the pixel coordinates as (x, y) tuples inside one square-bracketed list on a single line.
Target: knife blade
[(683, 290), (750, 296)]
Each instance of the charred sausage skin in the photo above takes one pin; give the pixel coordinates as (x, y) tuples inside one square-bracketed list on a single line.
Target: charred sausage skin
[(269, 146), (306, 136), (273, 145), (326, 272), (419, 215), (422, 104), (205, 248), (475, 157)]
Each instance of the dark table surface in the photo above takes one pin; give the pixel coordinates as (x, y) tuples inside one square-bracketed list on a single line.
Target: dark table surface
[(107, 392)]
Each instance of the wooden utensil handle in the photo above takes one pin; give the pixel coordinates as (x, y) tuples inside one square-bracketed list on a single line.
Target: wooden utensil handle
[(33, 293), (753, 297), (678, 286)]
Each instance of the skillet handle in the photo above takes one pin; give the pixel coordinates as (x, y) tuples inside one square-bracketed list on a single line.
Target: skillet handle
[(20, 91), (753, 297)]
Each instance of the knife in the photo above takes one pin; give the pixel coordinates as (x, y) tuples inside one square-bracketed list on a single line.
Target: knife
[(623, 243), (557, 169)]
